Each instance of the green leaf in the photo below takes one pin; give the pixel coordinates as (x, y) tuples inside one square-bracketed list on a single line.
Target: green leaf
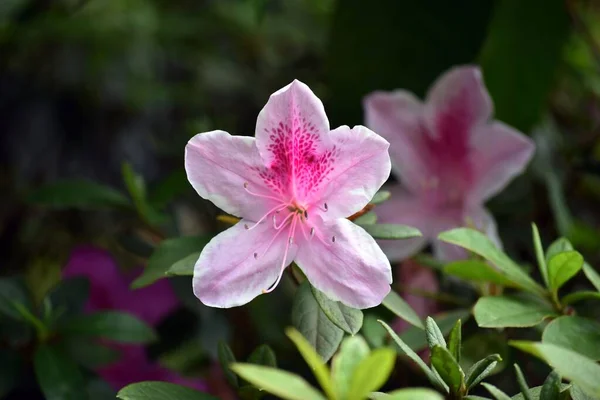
[(578, 394), (352, 351), (413, 356), (558, 246), (481, 369), (313, 360), (574, 333), (263, 355), (454, 341), (433, 334), (308, 317), (89, 353), (581, 370), (347, 318), (520, 57), (402, 309), (13, 291), (408, 394), (371, 373), (562, 267), (280, 383), (11, 368), (415, 338), (97, 389), (592, 275), (522, 383), (173, 185), (391, 231), (160, 391), (369, 218), (78, 194), (505, 311), (576, 297), (494, 391), (480, 244), (111, 325), (185, 266), (482, 344), (448, 368), (168, 253), (381, 196), (478, 271), (539, 253), (534, 393), (58, 377), (69, 297), (226, 359), (551, 387)]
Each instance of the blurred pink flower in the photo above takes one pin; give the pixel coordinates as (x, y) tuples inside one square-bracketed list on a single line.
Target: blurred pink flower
[(296, 177), (109, 290), (450, 158)]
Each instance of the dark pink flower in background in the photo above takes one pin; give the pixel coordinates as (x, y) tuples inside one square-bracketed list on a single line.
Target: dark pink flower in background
[(450, 158), (109, 290)]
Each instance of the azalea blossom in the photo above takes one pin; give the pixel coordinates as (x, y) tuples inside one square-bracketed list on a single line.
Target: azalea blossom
[(293, 185), (450, 158)]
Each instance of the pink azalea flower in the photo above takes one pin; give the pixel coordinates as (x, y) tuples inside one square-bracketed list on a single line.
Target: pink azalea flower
[(450, 158), (293, 186), (109, 290)]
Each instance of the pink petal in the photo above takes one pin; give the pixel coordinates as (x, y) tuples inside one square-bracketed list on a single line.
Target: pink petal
[(500, 153), (407, 209), (220, 166), (239, 263), (457, 102), (362, 167), (397, 117), (351, 269)]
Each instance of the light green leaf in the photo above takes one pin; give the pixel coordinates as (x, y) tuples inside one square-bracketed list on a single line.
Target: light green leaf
[(391, 231), (454, 341), (226, 358), (263, 355), (562, 267), (551, 387), (478, 271), (308, 317), (371, 373), (168, 253), (581, 370), (505, 311), (574, 333), (58, 377), (111, 325), (522, 383), (448, 368), (417, 340), (280, 383), (560, 245), (352, 351), (161, 391), (78, 194), (380, 197), (433, 333), (369, 218), (374, 333), (408, 394), (480, 244), (576, 297), (494, 391), (539, 253), (347, 318), (592, 275), (185, 266), (481, 370), (313, 360), (402, 309), (578, 394)]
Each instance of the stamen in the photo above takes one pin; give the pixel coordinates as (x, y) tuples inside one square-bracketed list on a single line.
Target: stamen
[(265, 196), (305, 214), (246, 226), (285, 253), (255, 256), (326, 207), (312, 232), (277, 227), (333, 239), (276, 208)]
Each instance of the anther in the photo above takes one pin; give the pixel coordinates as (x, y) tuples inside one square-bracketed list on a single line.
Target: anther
[(312, 232), (255, 256), (325, 206), (291, 240), (333, 239), (305, 214), (245, 185), (246, 226)]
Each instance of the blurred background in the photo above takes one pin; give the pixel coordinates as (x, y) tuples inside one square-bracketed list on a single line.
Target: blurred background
[(104, 94)]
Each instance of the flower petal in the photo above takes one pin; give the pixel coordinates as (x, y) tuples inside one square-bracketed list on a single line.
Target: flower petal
[(219, 164), (363, 165), (351, 269), (397, 117), (239, 263), (407, 209), (457, 102), (499, 153)]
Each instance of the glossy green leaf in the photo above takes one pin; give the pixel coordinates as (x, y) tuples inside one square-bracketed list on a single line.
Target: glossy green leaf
[(574, 333), (161, 391), (371, 373), (505, 311), (226, 359), (313, 360), (402, 309), (381, 196), (523, 386), (352, 351), (481, 370), (562, 267), (391, 231), (111, 325), (480, 244), (347, 318), (581, 370), (478, 271), (263, 355), (495, 392), (58, 376), (448, 368), (184, 267), (11, 368), (551, 387), (558, 246), (539, 254), (280, 383), (408, 394), (576, 297), (592, 275), (433, 334), (168, 253), (455, 341), (78, 194)]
